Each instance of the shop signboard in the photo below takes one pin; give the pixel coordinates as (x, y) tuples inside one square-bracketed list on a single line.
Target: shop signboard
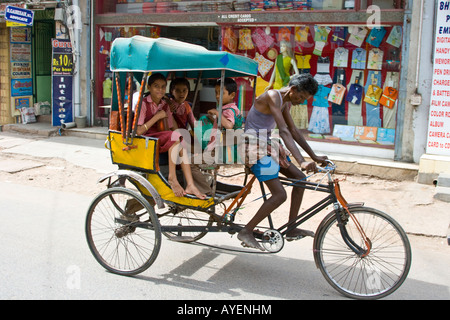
[(19, 15), (439, 120), (62, 71)]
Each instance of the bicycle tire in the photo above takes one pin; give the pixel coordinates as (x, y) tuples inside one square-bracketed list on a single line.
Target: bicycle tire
[(120, 247), (374, 276)]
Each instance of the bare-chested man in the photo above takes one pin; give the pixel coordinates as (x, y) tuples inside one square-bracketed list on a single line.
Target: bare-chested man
[(270, 110)]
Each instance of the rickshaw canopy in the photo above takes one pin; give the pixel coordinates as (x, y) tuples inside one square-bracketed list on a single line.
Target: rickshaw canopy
[(141, 54)]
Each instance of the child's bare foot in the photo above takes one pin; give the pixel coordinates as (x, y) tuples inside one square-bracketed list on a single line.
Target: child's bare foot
[(176, 188), (192, 189)]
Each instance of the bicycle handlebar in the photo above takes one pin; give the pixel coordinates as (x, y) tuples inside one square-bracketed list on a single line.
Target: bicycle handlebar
[(331, 166)]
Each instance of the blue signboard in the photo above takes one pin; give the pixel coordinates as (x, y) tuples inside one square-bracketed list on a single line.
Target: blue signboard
[(62, 103), (21, 87), (62, 100), (19, 15)]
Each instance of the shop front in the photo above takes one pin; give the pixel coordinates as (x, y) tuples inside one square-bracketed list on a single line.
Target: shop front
[(26, 55), (355, 54)]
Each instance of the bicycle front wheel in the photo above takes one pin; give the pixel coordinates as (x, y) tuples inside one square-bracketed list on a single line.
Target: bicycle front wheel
[(371, 276), (122, 231)]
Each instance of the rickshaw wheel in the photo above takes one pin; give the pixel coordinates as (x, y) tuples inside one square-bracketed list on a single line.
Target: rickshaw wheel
[(186, 217), (123, 231)]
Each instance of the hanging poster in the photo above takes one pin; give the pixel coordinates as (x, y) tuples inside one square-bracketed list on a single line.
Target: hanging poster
[(62, 70), (439, 121)]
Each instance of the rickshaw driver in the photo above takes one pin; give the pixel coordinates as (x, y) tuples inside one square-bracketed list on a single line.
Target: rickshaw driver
[(269, 110)]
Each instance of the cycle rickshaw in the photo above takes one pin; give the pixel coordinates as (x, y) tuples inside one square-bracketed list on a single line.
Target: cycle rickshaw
[(362, 252)]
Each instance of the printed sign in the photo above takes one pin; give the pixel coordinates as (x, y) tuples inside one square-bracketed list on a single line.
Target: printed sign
[(22, 102), (19, 15), (21, 35), (439, 121), (21, 87), (20, 70), (62, 100), (62, 70)]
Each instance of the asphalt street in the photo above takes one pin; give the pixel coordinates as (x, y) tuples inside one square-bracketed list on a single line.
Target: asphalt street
[(44, 254)]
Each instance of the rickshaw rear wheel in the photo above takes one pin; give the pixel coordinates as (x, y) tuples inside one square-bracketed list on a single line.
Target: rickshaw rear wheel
[(123, 231), (186, 217)]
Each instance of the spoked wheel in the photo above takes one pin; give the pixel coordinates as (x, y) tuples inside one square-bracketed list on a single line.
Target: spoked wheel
[(377, 272), (122, 231), (185, 219)]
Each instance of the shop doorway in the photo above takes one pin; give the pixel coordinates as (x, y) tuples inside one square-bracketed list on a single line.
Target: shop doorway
[(44, 31)]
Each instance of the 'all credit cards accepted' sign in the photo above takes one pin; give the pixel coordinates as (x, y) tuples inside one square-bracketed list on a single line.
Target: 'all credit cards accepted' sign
[(19, 15)]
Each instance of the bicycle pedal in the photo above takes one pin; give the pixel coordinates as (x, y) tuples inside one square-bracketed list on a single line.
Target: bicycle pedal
[(290, 239)]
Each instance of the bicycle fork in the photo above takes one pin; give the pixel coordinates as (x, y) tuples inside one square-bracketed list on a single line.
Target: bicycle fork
[(342, 208)]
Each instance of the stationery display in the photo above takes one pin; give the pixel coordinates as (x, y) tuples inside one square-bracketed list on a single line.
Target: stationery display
[(352, 65)]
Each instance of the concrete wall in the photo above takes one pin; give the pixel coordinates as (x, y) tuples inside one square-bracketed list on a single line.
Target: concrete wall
[(5, 80), (85, 61)]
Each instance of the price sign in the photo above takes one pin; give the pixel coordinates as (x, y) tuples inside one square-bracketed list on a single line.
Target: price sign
[(62, 63)]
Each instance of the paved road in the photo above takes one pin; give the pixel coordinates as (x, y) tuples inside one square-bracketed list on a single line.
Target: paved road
[(44, 255)]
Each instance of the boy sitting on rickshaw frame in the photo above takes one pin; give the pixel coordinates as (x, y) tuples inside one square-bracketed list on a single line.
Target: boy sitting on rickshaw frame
[(270, 110)]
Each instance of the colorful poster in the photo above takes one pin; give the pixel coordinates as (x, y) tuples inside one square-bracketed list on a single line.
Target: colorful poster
[(439, 120), (22, 102), (21, 87), (21, 67)]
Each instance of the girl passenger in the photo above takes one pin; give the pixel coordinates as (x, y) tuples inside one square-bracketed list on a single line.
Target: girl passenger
[(155, 111)]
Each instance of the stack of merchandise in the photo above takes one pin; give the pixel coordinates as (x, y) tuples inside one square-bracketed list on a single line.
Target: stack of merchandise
[(148, 7), (182, 6), (270, 5), (209, 6), (301, 5), (225, 6), (242, 5), (285, 5), (164, 7), (257, 5), (194, 6)]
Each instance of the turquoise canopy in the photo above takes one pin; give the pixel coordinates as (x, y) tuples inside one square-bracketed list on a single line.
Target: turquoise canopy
[(141, 54)]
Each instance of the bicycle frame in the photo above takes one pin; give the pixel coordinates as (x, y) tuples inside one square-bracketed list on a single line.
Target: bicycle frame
[(334, 197)]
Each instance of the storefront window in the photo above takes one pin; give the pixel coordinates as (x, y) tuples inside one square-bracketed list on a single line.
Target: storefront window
[(105, 37), (358, 71), (173, 6), (207, 37)]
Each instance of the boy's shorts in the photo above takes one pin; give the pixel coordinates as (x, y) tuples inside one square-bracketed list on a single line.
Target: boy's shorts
[(266, 168)]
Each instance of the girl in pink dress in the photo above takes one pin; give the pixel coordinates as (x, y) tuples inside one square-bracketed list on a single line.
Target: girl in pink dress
[(156, 120), (181, 109)]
